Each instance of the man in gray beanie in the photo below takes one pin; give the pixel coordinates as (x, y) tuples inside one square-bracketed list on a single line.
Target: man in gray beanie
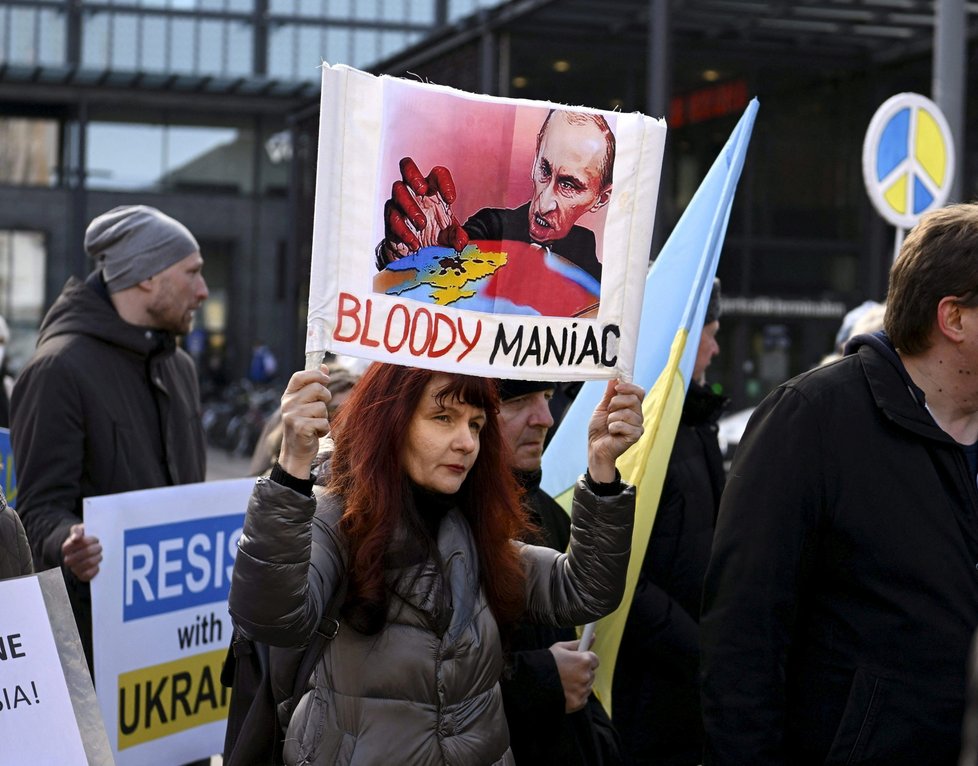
[(108, 402), (655, 691)]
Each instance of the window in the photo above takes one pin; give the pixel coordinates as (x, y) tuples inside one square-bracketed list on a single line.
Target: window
[(23, 256), (413, 11), (153, 43), (366, 48), (133, 156), (231, 6), (32, 36), (458, 9), (295, 51), (28, 151)]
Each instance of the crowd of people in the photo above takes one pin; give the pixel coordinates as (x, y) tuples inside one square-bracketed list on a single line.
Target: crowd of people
[(814, 605)]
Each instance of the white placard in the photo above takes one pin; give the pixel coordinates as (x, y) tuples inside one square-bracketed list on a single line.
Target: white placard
[(34, 696), (556, 205), (159, 617)]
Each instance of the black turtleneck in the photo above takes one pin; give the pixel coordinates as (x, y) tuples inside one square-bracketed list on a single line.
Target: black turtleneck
[(431, 507)]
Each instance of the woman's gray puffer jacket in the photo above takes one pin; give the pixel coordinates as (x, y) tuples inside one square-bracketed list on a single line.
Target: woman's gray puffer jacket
[(408, 695)]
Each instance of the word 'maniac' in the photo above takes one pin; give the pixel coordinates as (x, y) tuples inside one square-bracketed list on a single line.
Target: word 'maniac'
[(561, 346)]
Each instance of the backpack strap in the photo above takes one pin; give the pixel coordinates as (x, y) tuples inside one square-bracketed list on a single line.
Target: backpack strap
[(329, 627)]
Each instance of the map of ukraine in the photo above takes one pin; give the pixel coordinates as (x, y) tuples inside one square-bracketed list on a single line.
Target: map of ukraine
[(446, 275), (495, 276)]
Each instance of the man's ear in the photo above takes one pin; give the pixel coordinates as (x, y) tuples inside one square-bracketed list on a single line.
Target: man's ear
[(949, 319), (146, 285), (602, 200)]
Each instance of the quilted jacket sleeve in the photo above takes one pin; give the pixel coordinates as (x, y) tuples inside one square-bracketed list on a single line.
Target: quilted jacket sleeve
[(290, 559), (588, 581)]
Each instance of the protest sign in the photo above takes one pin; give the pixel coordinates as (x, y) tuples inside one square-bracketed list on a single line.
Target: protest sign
[(160, 624), (499, 237), (44, 681)]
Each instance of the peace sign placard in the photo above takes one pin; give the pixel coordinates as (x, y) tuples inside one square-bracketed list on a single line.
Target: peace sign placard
[(908, 159)]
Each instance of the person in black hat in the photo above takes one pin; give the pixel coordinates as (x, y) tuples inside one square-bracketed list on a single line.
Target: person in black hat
[(108, 402), (552, 716), (655, 691)]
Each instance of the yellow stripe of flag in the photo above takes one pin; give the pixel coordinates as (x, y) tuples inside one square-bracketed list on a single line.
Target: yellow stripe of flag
[(644, 465)]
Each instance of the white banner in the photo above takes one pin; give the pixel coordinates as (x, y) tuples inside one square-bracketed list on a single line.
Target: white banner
[(46, 695), (159, 616), (499, 237)]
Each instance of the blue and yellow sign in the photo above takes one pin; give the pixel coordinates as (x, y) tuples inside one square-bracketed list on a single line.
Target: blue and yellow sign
[(908, 159)]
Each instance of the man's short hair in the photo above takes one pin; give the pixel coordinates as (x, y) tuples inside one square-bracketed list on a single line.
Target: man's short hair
[(939, 258), (583, 118)]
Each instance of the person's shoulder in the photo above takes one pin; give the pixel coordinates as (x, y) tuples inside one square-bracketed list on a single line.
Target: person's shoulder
[(826, 379), (581, 234), (329, 507), (11, 527), (812, 397), (59, 354), (486, 216)]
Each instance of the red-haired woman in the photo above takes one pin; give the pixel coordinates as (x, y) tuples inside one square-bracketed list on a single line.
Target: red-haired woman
[(418, 515)]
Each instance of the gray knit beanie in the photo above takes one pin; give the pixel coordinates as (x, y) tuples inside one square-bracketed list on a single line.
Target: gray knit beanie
[(134, 242)]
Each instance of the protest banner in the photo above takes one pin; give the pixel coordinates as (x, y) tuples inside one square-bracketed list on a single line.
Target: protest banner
[(160, 624), (677, 292), (500, 237), (47, 704), (8, 479)]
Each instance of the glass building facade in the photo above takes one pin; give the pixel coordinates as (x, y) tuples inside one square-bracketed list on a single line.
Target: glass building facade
[(283, 39), (208, 109), (186, 105)]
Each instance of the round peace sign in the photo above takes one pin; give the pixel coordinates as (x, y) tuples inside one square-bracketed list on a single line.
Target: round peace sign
[(908, 159)]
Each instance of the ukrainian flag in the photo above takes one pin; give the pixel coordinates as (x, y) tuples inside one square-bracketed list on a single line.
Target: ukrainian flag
[(677, 291)]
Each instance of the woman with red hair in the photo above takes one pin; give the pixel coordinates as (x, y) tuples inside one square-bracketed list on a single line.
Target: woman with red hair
[(418, 518)]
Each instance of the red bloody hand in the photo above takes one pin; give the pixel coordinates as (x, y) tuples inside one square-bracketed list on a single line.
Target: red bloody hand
[(440, 180), (399, 233), (412, 176), (454, 236), (418, 214), (405, 202)]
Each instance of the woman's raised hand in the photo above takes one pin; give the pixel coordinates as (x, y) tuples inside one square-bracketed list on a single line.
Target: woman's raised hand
[(304, 420), (614, 427)]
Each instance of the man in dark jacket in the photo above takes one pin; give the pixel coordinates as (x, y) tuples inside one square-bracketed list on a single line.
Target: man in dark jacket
[(552, 716), (656, 684), (842, 591), (108, 402)]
